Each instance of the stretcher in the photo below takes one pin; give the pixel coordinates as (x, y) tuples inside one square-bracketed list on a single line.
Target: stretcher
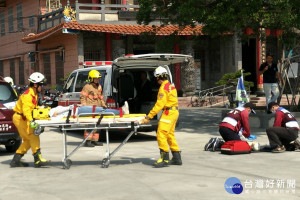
[(102, 121)]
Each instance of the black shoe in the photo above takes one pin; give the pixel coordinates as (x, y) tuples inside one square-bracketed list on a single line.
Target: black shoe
[(163, 161), (176, 160), (279, 149), (297, 144), (209, 144), (16, 161), (89, 143), (39, 161), (217, 145), (97, 143)]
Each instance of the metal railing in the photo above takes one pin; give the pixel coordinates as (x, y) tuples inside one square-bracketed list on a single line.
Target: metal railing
[(101, 13), (89, 13), (212, 96)]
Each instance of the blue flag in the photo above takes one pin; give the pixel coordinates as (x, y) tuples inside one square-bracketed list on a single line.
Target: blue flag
[(241, 93)]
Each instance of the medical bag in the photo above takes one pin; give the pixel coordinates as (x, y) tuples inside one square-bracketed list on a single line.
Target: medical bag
[(41, 113), (235, 147)]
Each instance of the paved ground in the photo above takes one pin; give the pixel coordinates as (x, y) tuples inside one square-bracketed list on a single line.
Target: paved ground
[(131, 176)]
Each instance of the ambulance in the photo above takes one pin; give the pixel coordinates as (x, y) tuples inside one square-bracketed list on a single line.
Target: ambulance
[(120, 79)]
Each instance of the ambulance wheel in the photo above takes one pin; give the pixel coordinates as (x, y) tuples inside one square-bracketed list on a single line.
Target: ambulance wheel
[(67, 164), (105, 163)]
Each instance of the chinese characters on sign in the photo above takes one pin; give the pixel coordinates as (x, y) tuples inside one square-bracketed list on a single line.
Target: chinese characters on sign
[(271, 186)]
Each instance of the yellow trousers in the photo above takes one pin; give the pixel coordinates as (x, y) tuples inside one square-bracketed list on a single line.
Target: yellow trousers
[(26, 133), (165, 132)]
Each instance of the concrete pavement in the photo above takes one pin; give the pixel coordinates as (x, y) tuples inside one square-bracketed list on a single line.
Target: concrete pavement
[(131, 176)]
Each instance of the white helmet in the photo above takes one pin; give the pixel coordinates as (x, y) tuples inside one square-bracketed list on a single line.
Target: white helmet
[(159, 71), (9, 80), (37, 77)]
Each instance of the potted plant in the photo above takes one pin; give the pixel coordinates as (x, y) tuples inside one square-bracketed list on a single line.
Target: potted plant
[(231, 79)]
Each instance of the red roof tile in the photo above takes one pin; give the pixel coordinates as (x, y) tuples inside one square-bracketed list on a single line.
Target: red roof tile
[(120, 29)]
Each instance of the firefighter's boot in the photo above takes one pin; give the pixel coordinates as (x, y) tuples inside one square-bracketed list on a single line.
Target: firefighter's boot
[(176, 160), (163, 161), (16, 161), (39, 161), (89, 143)]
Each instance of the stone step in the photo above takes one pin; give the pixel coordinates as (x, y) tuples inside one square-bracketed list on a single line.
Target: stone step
[(184, 102)]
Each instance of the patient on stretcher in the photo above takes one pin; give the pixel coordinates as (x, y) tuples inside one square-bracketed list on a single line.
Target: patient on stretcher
[(60, 112)]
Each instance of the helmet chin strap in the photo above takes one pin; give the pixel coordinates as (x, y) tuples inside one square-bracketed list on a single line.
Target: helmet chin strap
[(36, 87)]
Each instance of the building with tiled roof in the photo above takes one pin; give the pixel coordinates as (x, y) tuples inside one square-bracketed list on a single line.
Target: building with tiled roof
[(40, 36)]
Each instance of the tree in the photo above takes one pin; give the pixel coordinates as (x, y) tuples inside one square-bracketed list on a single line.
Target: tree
[(231, 79), (226, 16)]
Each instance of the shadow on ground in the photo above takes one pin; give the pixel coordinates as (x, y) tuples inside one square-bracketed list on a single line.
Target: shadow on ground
[(205, 120)]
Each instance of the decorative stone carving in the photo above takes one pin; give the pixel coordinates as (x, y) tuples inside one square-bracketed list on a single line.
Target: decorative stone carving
[(188, 71), (117, 49), (188, 77)]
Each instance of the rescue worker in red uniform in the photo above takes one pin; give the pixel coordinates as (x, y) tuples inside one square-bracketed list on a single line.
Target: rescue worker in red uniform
[(284, 131), (234, 121), (168, 102), (25, 124), (91, 95)]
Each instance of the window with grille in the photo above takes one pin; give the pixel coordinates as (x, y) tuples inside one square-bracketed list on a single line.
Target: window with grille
[(12, 68), (2, 23), (19, 17), (31, 21), (21, 72), (1, 68), (47, 67), (10, 20)]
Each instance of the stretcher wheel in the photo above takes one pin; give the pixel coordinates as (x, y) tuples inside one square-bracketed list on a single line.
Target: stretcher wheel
[(67, 164), (105, 163)]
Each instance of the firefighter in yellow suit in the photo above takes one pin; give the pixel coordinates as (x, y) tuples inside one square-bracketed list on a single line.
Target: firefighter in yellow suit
[(91, 95), (168, 102), (25, 124)]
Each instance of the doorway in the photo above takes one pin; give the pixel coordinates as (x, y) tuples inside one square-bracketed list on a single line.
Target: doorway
[(249, 61)]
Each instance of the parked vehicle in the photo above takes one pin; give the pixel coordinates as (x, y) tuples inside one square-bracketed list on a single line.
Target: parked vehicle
[(20, 89), (120, 79), (9, 135)]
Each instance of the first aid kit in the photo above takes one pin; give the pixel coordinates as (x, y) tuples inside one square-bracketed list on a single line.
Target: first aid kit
[(41, 113), (235, 147)]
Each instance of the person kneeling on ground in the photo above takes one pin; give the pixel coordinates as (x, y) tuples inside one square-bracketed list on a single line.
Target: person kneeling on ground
[(284, 130), (234, 121)]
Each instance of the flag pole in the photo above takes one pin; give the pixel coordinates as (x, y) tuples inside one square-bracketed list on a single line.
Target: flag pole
[(241, 102)]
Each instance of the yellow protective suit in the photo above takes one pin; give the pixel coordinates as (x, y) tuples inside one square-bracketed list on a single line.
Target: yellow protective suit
[(21, 119), (168, 102)]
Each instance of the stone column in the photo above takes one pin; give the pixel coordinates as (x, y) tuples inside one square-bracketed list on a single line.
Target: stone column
[(188, 70), (80, 50), (118, 47), (237, 50)]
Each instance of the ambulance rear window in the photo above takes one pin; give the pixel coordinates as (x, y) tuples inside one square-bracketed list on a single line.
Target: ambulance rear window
[(82, 79)]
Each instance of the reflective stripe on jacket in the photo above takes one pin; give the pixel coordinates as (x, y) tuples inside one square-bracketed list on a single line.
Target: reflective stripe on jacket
[(91, 94), (283, 118), (237, 119), (166, 98)]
